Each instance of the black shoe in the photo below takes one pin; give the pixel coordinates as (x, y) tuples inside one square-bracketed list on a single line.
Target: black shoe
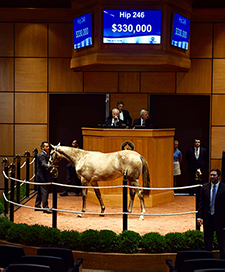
[(64, 194), (47, 211), (37, 210)]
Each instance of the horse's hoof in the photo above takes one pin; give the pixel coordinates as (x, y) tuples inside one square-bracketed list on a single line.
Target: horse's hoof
[(79, 215), (102, 215), (141, 217)]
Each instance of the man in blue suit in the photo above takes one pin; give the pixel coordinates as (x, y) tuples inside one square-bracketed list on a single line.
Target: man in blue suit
[(211, 210), (43, 175)]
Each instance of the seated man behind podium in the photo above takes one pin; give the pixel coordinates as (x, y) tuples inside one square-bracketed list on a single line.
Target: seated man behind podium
[(124, 115), (114, 121), (144, 120)]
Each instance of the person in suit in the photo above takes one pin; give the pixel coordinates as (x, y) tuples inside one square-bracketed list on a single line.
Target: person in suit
[(72, 174), (211, 210), (43, 175), (144, 120), (124, 115), (114, 121), (197, 158)]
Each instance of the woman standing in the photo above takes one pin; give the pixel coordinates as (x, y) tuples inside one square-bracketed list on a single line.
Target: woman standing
[(177, 159)]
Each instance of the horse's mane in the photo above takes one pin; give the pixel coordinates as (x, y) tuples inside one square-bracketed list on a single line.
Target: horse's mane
[(71, 154)]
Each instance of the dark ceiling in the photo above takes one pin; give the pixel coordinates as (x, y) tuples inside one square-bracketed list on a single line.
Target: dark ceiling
[(66, 4)]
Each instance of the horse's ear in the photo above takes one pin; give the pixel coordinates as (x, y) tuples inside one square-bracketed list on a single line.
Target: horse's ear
[(58, 144), (52, 146)]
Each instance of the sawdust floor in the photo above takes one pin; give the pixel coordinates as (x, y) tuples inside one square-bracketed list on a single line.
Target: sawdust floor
[(70, 221)]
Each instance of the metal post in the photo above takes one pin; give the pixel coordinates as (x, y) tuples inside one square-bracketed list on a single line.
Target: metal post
[(125, 200), (27, 155), (196, 206), (18, 177), (222, 254), (12, 194), (6, 185), (54, 203), (35, 152)]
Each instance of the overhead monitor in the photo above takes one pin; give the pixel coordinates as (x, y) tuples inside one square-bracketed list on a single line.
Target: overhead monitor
[(180, 31), (82, 31), (132, 26)]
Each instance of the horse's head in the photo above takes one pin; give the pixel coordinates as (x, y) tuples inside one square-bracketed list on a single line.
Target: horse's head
[(55, 156)]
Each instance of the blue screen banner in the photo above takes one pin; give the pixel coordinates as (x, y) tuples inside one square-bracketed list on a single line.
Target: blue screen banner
[(82, 31), (180, 32), (132, 26)]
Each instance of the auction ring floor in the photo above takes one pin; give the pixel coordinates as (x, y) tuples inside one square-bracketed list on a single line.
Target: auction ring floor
[(70, 221)]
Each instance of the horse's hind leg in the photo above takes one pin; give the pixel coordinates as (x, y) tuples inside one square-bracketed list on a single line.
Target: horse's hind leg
[(141, 197), (139, 194), (98, 194), (132, 196)]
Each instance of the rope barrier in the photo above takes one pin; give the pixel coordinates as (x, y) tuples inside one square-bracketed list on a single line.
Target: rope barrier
[(32, 161), (23, 165), (102, 187), (32, 177), (92, 213)]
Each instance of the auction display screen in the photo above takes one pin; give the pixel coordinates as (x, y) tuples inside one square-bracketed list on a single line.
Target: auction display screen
[(180, 32), (132, 26), (82, 31)]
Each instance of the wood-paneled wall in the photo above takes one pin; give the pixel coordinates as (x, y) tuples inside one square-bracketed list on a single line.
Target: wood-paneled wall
[(35, 52)]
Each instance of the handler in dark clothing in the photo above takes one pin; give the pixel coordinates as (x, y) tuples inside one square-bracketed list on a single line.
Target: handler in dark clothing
[(211, 210), (71, 173), (43, 175)]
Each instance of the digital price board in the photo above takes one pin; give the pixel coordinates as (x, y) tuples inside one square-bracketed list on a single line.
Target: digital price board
[(132, 26), (82, 31), (180, 31)]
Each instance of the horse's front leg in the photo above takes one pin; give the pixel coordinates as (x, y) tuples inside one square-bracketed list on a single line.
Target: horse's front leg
[(98, 194), (84, 182)]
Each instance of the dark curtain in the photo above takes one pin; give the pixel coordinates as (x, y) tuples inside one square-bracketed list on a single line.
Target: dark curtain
[(68, 114)]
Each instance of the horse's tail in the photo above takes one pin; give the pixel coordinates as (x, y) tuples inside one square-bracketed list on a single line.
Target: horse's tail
[(145, 175)]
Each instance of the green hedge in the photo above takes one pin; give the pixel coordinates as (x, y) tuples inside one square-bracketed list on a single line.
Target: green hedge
[(101, 241)]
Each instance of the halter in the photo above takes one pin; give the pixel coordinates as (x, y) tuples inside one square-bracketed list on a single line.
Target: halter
[(55, 151)]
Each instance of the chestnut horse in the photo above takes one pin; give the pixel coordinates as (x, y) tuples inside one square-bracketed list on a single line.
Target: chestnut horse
[(93, 166)]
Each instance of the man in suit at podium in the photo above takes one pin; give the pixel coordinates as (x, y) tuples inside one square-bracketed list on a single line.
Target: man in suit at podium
[(143, 121), (114, 121), (124, 115), (197, 158)]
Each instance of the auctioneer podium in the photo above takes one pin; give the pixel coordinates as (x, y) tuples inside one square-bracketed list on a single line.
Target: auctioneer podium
[(156, 145)]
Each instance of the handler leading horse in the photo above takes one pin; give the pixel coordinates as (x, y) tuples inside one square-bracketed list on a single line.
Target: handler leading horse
[(93, 166)]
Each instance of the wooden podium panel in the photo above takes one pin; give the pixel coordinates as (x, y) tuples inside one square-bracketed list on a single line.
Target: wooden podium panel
[(156, 145)]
